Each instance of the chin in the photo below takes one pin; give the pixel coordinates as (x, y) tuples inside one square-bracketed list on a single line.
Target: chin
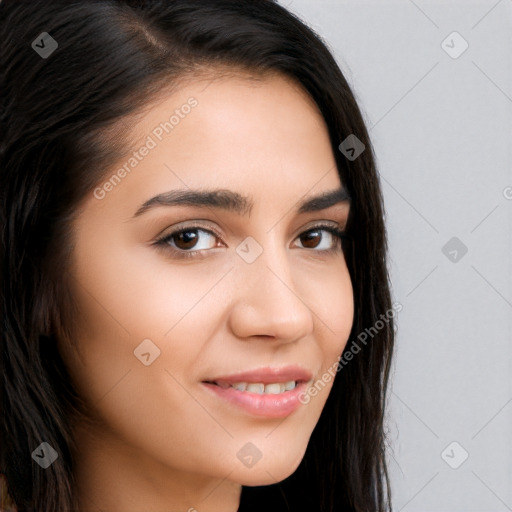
[(267, 472)]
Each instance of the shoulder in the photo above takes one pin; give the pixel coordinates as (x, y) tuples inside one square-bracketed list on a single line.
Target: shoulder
[(6, 503)]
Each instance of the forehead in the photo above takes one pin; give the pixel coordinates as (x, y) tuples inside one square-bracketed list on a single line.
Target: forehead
[(234, 104), (262, 136)]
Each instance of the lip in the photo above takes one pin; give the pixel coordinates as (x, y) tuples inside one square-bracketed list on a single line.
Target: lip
[(265, 405), (266, 375)]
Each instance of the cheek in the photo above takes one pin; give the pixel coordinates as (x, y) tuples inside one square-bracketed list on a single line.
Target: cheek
[(335, 319), (144, 405), (333, 305), (127, 295), (125, 299)]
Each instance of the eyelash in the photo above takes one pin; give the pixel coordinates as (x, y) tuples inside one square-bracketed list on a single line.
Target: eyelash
[(163, 242)]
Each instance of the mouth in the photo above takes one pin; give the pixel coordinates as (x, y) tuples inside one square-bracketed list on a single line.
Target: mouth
[(265, 392)]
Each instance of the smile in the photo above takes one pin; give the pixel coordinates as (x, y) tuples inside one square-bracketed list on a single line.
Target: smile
[(274, 388)]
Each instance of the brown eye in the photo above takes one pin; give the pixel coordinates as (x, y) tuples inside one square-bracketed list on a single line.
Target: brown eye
[(311, 239), (315, 238), (189, 238), (185, 239)]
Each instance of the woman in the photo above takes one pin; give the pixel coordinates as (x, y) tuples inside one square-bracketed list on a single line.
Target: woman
[(192, 249)]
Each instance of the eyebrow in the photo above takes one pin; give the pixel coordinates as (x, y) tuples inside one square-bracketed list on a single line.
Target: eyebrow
[(231, 201)]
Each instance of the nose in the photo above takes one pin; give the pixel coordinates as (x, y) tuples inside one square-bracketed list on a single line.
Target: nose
[(267, 300)]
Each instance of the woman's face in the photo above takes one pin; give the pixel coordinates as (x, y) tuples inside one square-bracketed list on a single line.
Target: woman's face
[(251, 286)]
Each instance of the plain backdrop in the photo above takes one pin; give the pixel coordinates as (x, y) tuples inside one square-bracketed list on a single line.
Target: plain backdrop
[(434, 83)]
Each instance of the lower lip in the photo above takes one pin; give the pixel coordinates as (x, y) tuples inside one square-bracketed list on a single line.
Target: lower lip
[(265, 405)]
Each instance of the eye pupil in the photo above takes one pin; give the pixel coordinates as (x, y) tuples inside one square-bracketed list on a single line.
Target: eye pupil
[(308, 236), (189, 240)]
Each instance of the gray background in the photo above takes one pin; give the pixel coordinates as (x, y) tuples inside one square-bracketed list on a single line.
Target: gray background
[(441, 128)]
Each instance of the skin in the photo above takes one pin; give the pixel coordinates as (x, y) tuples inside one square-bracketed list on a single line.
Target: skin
[(161, 442)]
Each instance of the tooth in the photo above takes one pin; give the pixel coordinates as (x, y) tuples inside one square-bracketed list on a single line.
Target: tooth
[(289, 385), (260, 388), (256, 388), (273, 389)]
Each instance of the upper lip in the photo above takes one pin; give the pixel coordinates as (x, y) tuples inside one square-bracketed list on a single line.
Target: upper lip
[(266, 375)]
